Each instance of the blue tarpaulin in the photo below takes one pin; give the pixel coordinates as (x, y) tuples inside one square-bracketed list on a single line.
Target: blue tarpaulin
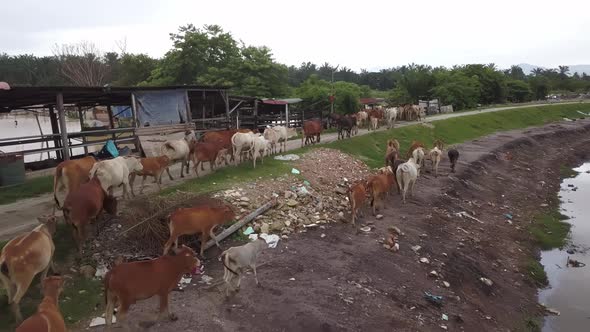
[(161, 107), (122, 111)]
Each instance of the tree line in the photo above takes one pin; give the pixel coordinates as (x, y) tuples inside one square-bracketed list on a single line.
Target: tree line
[(211, 56)]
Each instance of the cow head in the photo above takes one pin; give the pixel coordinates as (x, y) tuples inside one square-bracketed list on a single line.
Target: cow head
[(190, 262), (110, 205), (228, 213), (53, 286), (133, 164), (49, 221), (291, 132)]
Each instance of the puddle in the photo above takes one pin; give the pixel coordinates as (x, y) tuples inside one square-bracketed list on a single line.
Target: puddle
[(569, 291)]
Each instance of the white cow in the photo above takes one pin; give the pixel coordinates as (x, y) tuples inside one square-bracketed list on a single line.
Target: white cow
[(272, 135), (115, 172), (418, 155), (435, 155), (362, 118), (406, 176), (284, 134), (259, 148), (390, 116), (179, 150), (242, 142)]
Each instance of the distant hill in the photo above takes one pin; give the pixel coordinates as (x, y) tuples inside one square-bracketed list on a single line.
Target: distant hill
[(528, 68)]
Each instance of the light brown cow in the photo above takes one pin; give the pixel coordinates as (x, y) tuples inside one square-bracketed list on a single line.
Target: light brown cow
[(206, 152), (357, 195), (379, 185), (84, 205), (23, 258), (127, 283), (197, 220), (311, 129), (48, 317), (154, 167), (414, 146), (69, 175)]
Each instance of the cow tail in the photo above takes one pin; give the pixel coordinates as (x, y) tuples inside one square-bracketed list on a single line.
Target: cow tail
[(56, 179), (224, 257), (4, 270)]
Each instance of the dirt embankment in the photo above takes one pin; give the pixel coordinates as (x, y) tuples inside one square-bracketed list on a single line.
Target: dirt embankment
[(335, 278)]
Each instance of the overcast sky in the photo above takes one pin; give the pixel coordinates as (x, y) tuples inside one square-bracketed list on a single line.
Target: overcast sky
[(359, 34)]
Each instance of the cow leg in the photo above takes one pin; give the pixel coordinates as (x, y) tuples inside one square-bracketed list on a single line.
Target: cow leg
[(169, 175), (132, 182), (197, 168), (122, 313), (182, 164), (21, 288), (253, 266), (212, 235), (204, 238), (126, 189), (110, 308), (165, 313), (142, 185)]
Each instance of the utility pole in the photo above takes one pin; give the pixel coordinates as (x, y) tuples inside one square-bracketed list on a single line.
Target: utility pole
[(332, 94)]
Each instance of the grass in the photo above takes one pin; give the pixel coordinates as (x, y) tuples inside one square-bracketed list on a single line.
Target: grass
[(549, 229), (31, 188), (536, 272), (567, 172)]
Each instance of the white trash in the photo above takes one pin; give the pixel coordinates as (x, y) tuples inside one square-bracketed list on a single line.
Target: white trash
[(99, 321), (271, 239), (287, 157), (101, 271)]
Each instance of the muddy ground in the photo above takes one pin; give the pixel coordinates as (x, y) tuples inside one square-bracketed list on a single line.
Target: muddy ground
[(336, 278)]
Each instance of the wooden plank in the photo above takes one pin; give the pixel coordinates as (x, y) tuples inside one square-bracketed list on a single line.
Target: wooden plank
[(62, 126), (229, 231)]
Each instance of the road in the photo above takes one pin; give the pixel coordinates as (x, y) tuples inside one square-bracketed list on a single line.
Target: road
[(22, 215)]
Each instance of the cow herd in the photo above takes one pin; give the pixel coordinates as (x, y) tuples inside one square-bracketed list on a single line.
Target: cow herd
[(88, 185)]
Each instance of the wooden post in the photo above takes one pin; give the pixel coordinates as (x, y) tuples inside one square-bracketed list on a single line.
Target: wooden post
[(203, 111), (82, 129), (189, 113), (256, 114), (111, 120), (226, 101), (241, 223), (55, 130), (287, 114), (135, 122), (62, 126)]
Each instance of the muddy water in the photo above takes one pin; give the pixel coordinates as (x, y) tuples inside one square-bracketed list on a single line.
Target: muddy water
[(26, 125), (569, 291)]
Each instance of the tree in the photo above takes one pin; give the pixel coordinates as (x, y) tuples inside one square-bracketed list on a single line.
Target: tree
[(518, 91), (82, 64), (457, 89), (134, 69), (539, 87), (492, 82), (315, 93)]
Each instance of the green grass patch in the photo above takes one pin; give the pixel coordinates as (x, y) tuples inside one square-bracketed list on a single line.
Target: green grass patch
[(31, 188), (567, 172), (531, 324), (536, 272), (549, 229)]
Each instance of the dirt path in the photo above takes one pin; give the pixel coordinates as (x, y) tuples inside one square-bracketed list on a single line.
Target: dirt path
[(340, 279), (22, 215)]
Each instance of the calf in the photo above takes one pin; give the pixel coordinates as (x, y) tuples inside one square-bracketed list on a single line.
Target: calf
[(84, 205), (418, 155), (206, 152), (357, 195), (115, 173), (311, 129), (406, 175), (47, 318), (127, 283), (273, 138), (197, 220), (414, 146), (69, 175), (237, 259), (179, 150), (453, 157), (259, 149), (379, 185), (435, 155), (154, 167), (24, 257)]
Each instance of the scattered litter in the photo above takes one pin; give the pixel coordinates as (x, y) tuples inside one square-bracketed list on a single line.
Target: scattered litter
[(552, 311), (323, 235), (416, 248), (445, 317), (287, 157), (544, 205), (434, 299), (379, 216), (101, 271), (206, 279), (305, 182), (486, 281), (574, 263), (567, 119), (345, 179), (571, 251), (99, 321), (446, 284), (249, 230), (271, 239), (311, 225), (467, 215), (292, 279), (185, 281), (444, 327), (302, 191), (253, 237), (570, 185), (508, 216), (365, 229), (424, 260), (295, 171), (433, 274)]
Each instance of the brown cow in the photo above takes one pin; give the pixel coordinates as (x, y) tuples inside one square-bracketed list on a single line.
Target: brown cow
[(24, 257), (206, 152), (195, 220), (47, 318), (127, 283), (84, 205), (154, 167), (379, 185), (69, 175), (223, 137), (357, 194), (311, 128)]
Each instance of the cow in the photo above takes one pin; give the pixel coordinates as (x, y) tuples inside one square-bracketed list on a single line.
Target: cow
[(48, 318), (242, 143), (379, 185), (127, 283), (25, 256), (345, 125), (223, 137), (406, 176), (69, 175), (154, 167), (84, 205), (311, 128), (284, 134), (453, 157), (414, 146), (259, 149), (197, 220), (390, 116), (362, 117), (356, 197), (237, 259), (418, 155), (206, 152), (115, 173), (435, 155), (179, 150), (273, 137)]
